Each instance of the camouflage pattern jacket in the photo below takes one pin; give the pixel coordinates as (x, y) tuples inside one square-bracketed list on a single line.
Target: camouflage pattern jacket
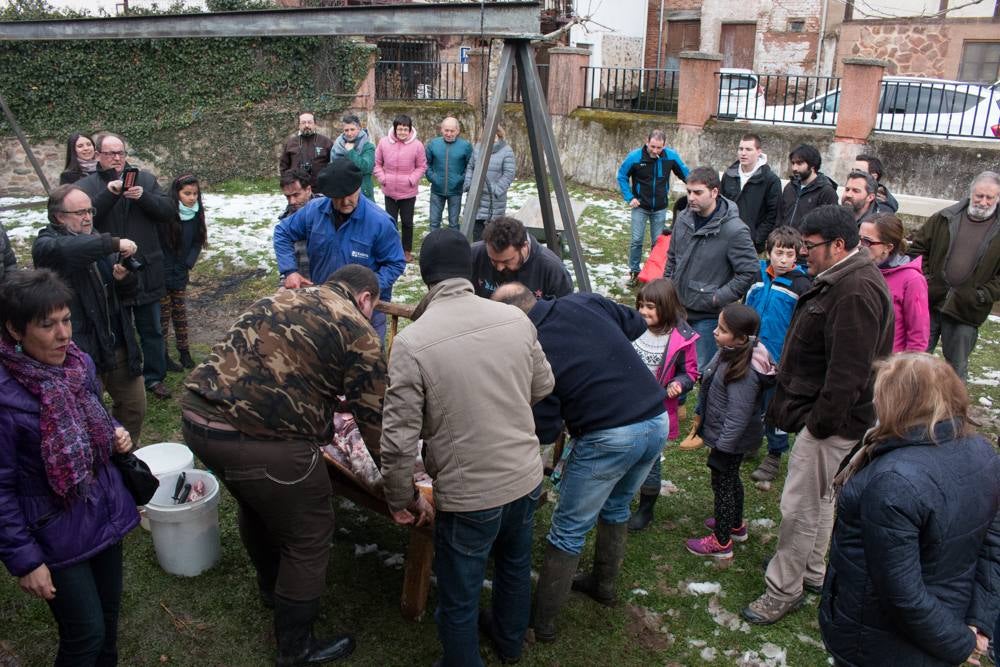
[(282, 366)]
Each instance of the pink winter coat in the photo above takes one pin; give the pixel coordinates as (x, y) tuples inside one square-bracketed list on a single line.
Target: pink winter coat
[(908, 287), (399, 165), (682, 341)]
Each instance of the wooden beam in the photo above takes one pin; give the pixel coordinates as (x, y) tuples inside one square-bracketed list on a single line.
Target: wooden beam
[(492, 19)]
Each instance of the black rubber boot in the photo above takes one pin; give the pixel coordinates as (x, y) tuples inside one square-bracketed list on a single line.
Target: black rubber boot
[(293, 631), (643, 514), (173, 366), (186, 360), (552, 590), (609, 552)]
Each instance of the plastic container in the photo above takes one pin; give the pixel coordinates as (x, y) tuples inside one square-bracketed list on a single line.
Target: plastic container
[(164, 459), (186, 537)]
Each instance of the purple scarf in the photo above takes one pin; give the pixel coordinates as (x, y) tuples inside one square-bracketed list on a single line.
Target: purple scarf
[(77, 432)]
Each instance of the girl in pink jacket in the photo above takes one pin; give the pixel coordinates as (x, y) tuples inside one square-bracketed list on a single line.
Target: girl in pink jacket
[(400, 162), (668, 350), (883, 236)]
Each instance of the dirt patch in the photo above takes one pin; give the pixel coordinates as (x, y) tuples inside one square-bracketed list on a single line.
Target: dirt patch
[(648, 628), (214, 306)]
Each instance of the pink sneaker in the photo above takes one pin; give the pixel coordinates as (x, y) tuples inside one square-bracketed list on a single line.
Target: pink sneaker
[(709, 546), (739, 534)]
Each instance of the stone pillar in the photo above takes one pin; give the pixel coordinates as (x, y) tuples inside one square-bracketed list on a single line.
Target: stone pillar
[(364, 98), (477, 76), (860, 84), (698, 97), (567, 79)]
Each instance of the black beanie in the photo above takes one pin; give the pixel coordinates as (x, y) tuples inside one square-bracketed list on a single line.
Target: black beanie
[(339, 179), (445, 253)]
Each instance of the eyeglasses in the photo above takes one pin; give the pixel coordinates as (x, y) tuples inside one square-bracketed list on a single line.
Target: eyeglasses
[(114, 153), (809, 246), (81, 213), (868, 243)]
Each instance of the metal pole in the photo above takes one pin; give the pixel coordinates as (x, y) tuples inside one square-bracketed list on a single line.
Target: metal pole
[(536, 102), (538, 162), (24, 143), (486, 140)]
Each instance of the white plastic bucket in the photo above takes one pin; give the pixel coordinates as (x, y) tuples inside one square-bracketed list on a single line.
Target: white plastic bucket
[(164, 459), (186, 537)]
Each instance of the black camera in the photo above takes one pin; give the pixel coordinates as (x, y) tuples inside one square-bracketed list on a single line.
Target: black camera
[(306, 167), (132, 264)]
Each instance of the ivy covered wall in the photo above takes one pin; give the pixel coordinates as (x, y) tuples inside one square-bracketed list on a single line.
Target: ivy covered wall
[(216, 106)]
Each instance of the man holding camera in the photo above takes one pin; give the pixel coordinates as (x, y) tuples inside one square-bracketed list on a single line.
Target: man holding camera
[(101, 326), (130, 204), (307, 149)]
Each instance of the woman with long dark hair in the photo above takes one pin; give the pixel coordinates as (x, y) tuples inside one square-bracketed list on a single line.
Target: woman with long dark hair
[(63, 507), (81, 159)]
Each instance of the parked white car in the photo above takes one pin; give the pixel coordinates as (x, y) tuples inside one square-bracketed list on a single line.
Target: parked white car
[(740, 94), (935, 107)]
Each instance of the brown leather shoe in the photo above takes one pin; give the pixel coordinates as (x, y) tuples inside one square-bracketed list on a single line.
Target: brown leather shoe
[(159, 390)]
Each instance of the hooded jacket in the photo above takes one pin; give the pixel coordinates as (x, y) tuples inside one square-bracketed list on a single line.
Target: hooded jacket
[(732, 413), (100, 324), (972, 301), (909, 303), (680, 365), (797, 201), (713, 266), (36, 526), (137, 219), (839, 328), (362, 155), (757, 200), (399, 165), (446, 165), (915, 554), (774, 300), (648, 179), (499, 176)]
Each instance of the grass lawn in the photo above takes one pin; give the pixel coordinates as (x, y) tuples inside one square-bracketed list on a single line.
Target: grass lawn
[(216, 619)]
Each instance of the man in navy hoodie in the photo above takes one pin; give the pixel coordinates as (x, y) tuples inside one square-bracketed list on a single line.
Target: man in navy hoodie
[(613, 408), (644, 180)]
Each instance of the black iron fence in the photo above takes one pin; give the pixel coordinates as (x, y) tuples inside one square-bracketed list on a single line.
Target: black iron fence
[(631, 89), (780, 98), (939, 108), (417, 80)]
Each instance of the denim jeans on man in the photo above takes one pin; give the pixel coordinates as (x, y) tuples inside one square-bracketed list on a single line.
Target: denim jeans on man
[(454, 210), (705, 346), (88, 598), (154, 350), (601, 476), (463, 542), (957, 341), (640, 217)]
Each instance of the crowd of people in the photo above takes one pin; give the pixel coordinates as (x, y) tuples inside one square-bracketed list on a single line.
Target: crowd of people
[(791, 312)]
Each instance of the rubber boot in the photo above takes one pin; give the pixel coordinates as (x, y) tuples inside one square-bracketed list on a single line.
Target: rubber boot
[(643, 514), (552, 590), (186, 360), (609, 552), (173, 366), (293, 631)]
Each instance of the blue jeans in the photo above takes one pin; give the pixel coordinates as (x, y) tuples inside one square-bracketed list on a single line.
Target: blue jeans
[(705, 345), (777, 441), (463, 542), (88, 598), (154, 350), (601, 476), (454, 210), (640, 217)]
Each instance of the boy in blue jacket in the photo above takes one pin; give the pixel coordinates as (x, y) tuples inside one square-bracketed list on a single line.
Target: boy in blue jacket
[(774, 296)]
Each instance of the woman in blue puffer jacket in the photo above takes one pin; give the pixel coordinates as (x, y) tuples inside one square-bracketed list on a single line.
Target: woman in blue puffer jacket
[(914, 572), (63, 507)]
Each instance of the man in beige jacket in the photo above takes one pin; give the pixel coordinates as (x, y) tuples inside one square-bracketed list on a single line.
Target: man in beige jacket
[(463, 377)]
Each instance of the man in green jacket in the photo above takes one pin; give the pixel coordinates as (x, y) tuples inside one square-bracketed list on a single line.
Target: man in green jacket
[(447, 158), (961, 250), (355, 144)]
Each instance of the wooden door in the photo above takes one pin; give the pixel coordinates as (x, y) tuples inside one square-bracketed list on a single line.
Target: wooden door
[(681, 36), (737, 44)]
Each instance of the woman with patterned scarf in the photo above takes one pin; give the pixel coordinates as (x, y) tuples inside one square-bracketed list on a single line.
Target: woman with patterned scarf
[(63, 507)]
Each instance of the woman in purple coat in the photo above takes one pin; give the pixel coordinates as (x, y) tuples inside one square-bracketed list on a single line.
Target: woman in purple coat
[(63, 507)]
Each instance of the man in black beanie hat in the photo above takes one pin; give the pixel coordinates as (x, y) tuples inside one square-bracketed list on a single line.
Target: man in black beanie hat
[(341, 227), (463, 376)]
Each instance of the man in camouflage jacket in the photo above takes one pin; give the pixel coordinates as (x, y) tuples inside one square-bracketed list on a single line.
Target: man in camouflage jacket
[(257, 411)]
